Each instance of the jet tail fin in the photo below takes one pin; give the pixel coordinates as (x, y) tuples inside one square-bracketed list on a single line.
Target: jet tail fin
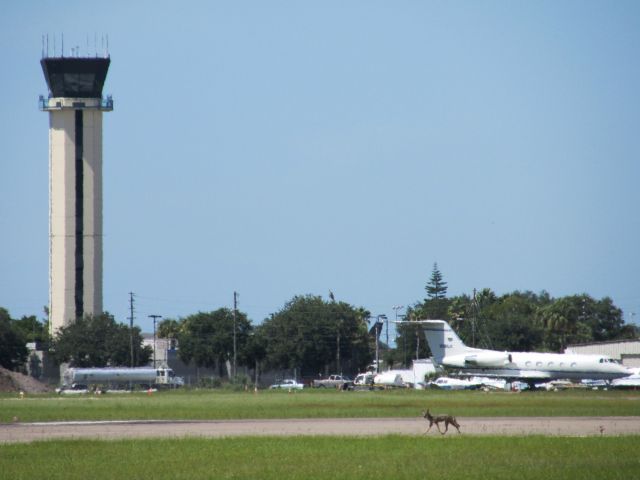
[(443, 341)]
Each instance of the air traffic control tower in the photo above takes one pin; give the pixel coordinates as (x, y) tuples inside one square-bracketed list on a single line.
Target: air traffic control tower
[(75, 107)]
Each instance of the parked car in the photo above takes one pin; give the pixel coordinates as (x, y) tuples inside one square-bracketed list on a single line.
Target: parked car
[(334, 381), (75, 388), (288, 384)]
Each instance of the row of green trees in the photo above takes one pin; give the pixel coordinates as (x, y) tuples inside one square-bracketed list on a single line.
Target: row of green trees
[(89, 341), (312, 335), (517, 321), (308, 335), (98, 341), (14, 335)]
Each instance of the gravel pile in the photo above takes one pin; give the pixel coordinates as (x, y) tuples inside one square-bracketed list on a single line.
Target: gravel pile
[(17, 382)]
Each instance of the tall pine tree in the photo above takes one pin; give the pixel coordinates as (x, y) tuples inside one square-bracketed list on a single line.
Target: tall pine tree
[(436, 303), (437, 287)]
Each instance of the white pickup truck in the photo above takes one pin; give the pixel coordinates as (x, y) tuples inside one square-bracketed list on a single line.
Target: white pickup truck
[(333, 381)]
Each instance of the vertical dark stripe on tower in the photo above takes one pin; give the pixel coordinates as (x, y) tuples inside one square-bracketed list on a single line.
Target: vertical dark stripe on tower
[(79, 284)]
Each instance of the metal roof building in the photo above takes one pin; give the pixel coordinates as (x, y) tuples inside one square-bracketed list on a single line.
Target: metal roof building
[(627, 351)]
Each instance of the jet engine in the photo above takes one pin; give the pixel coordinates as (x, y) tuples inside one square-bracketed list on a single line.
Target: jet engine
[(488, 359)]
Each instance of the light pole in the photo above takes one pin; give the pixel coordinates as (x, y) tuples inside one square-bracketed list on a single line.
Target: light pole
[(378, 331), (403, 331), (155, 317)]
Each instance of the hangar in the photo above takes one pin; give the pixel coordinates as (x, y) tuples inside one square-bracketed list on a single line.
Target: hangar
[(627, 351)]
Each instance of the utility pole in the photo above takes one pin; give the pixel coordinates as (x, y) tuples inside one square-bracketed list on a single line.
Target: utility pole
[(386, 327), (235, 310), (338, 367), (377, 348), (417, 330), (395, 309), (131, 325), (338, 326), (474, 319), (155, 317)]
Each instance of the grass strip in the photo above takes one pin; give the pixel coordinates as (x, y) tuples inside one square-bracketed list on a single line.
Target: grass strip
[(220, 405), (397, 457)]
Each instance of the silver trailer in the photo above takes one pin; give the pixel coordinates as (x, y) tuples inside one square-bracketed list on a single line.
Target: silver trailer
[(122, 377)]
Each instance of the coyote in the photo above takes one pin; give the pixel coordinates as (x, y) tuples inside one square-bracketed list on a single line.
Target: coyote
[(447, 419)]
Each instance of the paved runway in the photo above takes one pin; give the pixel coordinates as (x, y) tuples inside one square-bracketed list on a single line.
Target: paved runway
[(570, 426)]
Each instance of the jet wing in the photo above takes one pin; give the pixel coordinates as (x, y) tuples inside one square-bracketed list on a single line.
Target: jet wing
[(508, 374), (534, 374)]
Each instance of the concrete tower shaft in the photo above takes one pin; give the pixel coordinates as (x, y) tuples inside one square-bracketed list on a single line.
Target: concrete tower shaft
[(75, 107)]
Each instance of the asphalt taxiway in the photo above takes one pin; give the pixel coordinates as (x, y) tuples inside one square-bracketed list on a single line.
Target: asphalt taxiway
[(557, 426)]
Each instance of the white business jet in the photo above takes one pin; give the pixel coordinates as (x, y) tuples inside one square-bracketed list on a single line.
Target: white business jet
[(530, 367)]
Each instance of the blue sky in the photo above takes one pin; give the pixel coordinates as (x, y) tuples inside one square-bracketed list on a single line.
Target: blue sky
[(283, 148)]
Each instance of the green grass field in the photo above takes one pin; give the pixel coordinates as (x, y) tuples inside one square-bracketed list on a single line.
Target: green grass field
[(392, 457), (214, 405), (389, 457)]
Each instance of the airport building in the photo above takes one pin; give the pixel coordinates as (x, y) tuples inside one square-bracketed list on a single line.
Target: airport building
[(164, 349), (626, 351), (75, 106)]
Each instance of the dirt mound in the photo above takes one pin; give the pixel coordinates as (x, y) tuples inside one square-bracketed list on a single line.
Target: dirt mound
[(16, 382)]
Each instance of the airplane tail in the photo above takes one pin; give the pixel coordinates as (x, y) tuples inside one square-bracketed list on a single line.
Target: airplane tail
[(443, 341)]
